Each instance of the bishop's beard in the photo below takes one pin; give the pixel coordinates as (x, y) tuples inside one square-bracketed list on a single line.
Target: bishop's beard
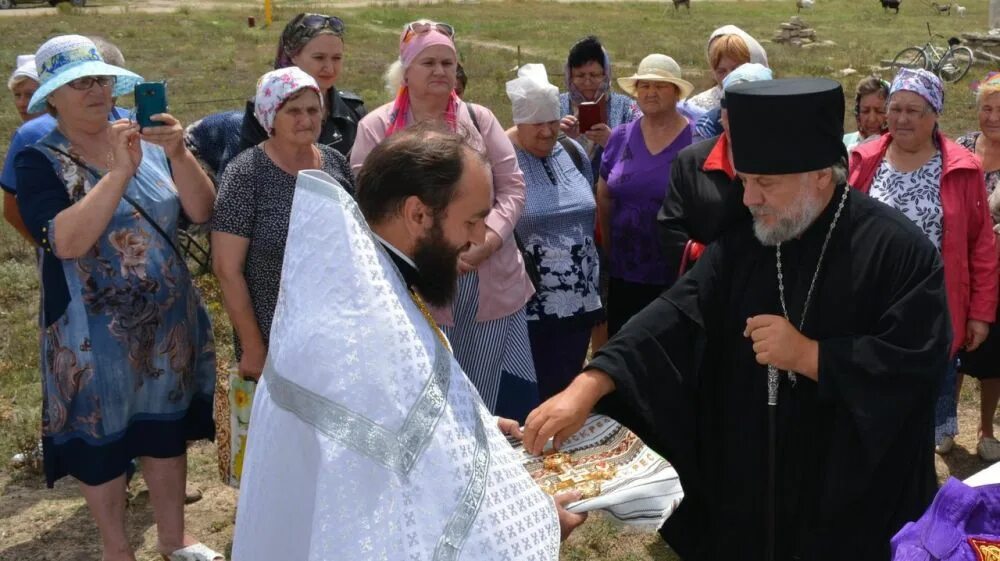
[(789, 223), (437, 265)]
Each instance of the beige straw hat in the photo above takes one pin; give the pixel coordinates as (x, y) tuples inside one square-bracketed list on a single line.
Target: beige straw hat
[(657, 68)]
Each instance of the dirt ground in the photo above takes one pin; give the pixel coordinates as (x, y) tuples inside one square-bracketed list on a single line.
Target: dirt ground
[(40, 524)]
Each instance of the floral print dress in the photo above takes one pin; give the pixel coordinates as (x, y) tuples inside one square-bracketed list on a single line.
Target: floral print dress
[(128, 358), (557, 227)]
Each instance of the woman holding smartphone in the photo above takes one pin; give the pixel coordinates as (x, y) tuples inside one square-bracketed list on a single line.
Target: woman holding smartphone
[(486, 323), (315, 44), (128, 363)]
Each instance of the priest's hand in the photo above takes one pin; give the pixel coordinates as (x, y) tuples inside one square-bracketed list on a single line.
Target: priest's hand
[(975, 333), (470, 259), (510, 427), (568, 521), (564, 413), (776, 342)]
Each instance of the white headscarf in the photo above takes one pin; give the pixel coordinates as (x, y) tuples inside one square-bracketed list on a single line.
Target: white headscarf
[(757, 53), (533, 98), (25, 69)]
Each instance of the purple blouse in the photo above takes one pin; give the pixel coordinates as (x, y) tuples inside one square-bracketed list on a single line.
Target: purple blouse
[(637, 182)]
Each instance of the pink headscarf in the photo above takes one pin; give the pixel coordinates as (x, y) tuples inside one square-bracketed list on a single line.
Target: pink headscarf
[(415, 44), (420, 41), (274, 89)]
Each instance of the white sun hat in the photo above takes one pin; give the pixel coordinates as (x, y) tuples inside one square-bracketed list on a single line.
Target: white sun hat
[(657, 68)]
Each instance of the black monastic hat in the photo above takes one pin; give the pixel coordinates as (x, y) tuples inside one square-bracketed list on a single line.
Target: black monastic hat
[(786, 126)]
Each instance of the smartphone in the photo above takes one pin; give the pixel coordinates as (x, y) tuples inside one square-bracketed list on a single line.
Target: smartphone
[(590, 113), (150, 99)]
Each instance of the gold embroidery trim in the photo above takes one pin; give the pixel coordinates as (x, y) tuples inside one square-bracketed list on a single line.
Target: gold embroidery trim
[(430, 319), (986, 550)]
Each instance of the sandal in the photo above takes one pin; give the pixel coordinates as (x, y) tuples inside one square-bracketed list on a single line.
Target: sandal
[(192, 495), (988, 449), (195, 552)]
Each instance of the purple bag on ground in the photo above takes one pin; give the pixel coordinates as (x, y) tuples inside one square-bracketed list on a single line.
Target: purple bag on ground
[(962, 524)]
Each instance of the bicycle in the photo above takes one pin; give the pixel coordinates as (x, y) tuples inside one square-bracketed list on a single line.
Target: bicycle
[(951, 65)]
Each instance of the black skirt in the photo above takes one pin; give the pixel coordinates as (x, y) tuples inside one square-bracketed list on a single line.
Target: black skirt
[(984, 362)]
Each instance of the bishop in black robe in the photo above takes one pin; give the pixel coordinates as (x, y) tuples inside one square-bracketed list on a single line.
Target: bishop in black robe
[(854, 446), (855, 450)]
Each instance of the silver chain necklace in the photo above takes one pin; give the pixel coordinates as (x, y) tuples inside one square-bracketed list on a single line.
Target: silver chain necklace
[(773, 376)]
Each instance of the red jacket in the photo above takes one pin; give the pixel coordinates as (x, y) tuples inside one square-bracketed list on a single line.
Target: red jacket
[(968, 247)]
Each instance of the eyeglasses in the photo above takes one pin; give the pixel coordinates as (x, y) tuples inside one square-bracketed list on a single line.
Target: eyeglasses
[(318, 22), (87, 82), (424, 26), (588, 77)]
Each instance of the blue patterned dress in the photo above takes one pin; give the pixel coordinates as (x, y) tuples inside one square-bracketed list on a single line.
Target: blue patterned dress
[(128, 358), (557, 227)]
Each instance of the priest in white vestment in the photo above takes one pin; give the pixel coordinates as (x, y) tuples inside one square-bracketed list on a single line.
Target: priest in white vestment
[(367, 441)]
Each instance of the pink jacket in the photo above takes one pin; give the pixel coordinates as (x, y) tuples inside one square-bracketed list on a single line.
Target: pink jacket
[(504, 287), (968, 247)]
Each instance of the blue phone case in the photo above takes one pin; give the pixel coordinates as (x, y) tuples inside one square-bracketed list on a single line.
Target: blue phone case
[(150, 99)]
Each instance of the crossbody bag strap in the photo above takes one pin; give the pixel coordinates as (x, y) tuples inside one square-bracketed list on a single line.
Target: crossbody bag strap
[(572, 151), (142, 212)]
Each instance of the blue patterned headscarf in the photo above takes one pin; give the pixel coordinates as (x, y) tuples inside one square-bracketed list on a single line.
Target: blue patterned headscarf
[(921, 82), (575, 96)]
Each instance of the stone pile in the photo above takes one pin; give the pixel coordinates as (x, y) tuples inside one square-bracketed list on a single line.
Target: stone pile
[(986, 46), (797, 33)]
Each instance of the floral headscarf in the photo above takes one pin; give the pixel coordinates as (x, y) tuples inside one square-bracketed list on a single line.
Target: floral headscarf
[(921, 82), (989, 82), (275, 88)]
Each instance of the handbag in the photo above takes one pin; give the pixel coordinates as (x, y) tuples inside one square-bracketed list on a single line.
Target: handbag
[(530, 263)]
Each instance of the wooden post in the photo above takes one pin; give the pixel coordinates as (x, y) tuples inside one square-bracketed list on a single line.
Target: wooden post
[(994, 14), (267, 13)]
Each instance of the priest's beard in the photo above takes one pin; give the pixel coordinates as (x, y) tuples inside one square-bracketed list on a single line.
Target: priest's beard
[(437, 264), (790, 223)]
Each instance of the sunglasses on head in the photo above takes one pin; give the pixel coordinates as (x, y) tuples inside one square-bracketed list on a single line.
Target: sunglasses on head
[(318, 22), (421, 27)]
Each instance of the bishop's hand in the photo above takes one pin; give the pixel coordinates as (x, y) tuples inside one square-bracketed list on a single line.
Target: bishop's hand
[(776, 342), (564, 413)]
